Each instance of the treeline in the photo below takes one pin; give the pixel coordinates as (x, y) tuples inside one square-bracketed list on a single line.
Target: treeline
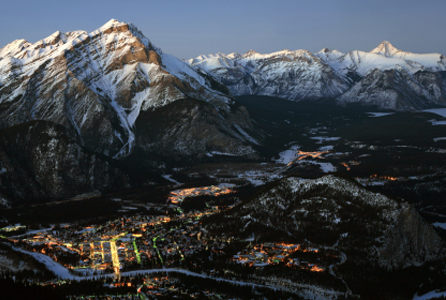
[(232, 290), (372, 282), (22, 290)]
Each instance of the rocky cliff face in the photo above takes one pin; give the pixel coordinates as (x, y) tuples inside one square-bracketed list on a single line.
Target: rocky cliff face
[(396, 89), (385, 77), (333, 212), (409, 242), (293, 75), (38, 161), (191, 130), (98, 85)]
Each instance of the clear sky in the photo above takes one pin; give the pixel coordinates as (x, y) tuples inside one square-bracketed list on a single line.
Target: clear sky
[(188, 28)]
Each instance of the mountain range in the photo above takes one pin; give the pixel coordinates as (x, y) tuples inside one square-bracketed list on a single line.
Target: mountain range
[(75, 103), (115, 102), (110, 88), (385, 77)]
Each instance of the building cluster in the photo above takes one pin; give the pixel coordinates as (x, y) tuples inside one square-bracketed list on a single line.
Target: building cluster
[(104, 297), (261, 255), (13, 228), (177, 196), (168, 287), (126, 241)]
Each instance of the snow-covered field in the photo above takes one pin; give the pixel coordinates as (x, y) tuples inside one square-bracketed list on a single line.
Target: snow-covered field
[(258, 177), (439, 139), (292, 154), (440, 225), (326, 167), (430, 295), (326, 148), (435, 122), (379, 114), (368, 182), (438, 111), (322, 139), (169, 177), (288, 156)]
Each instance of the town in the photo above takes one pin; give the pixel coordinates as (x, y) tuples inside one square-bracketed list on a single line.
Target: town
[(273, 253), (176, 240)]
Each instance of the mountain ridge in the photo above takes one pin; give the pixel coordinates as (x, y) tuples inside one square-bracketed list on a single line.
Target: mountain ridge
[(302, 75), (336, 213), (97, 84)]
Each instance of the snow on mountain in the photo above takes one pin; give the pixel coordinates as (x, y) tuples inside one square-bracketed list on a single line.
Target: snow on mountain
[(432, 61), (396, 89), (331, 211), (97, 85), (386, 49), (384, 57), (293, 75), (298, 75)]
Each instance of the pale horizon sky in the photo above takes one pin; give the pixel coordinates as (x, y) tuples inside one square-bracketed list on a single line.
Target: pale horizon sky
[(187, 29)]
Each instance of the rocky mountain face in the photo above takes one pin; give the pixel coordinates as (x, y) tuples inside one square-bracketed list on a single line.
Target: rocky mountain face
[(107, 86), (293, 75), (334, 212), (385, 77), (38, 161)]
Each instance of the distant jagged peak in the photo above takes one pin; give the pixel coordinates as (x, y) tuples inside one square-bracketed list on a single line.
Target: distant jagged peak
[(64, 37), (16, 43), (116, 27), (329, 51), (234, 55), (251, 53), (387, 49), (329, 55), (325, 50), (112, 23), (59, 38), (14, 47)]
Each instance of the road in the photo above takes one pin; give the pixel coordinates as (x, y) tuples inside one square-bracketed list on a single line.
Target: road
[(343, 260), (115, 257), (63, 273)]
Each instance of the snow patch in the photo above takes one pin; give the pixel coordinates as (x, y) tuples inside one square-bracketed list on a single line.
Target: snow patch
[(221, 153), (326, 148), (439, 139), (322, 139), (440, 225), (169, 177), (435, 122), (379, 114), (288, 156), (430, 295), (5, 203), (326, 167), (439, 111)]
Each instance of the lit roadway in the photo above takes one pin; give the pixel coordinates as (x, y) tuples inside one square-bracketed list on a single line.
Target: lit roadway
[(115, 258), (157, 251)]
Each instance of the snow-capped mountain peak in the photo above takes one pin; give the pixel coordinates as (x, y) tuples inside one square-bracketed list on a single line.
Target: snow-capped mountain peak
[(251, 53), (329, 55), (112, 23), (387, 49), (13, 47), (300, 74), (99, 83)]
